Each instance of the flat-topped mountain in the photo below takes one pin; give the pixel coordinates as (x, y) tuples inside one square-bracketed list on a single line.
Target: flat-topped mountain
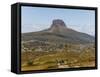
[(59, 33)]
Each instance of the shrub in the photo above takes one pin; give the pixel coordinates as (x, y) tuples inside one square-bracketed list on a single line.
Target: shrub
[(30, 63)]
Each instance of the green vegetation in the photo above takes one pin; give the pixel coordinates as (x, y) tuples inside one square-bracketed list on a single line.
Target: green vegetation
[(30, 63), (71, 56)]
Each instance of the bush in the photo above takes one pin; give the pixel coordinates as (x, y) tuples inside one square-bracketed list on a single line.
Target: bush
[(30, 63)]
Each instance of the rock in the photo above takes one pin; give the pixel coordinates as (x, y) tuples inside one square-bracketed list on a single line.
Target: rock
[(58, 26), (58, 22)]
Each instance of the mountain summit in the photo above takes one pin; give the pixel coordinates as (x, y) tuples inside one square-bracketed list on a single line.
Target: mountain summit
[(57, 26), (58, 23)]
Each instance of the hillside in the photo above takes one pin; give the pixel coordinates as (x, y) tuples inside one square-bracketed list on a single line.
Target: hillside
[(58, 32)]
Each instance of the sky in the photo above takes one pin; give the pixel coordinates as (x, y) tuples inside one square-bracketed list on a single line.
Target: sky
[(40, 18)]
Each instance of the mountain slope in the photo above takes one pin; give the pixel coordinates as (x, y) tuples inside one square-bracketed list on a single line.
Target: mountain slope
[(58, 32)]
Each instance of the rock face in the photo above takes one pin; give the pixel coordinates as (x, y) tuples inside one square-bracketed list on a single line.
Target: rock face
[(58, 22), (58, 26)]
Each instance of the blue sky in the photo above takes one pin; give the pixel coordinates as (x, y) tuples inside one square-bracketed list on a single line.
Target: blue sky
[(39, 18)]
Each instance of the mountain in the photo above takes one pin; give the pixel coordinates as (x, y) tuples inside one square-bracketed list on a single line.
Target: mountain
[(58, 33), (57, 47)]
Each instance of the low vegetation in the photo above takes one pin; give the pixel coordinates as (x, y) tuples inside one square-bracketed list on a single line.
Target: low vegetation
[(68, 56)]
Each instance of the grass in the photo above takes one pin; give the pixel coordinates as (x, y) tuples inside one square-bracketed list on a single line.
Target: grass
[(55, 59)]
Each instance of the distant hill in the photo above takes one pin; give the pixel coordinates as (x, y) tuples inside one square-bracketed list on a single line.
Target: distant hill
[(58, 33)]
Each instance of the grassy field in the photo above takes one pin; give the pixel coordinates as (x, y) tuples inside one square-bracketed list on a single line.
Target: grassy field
[(72, 56)]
